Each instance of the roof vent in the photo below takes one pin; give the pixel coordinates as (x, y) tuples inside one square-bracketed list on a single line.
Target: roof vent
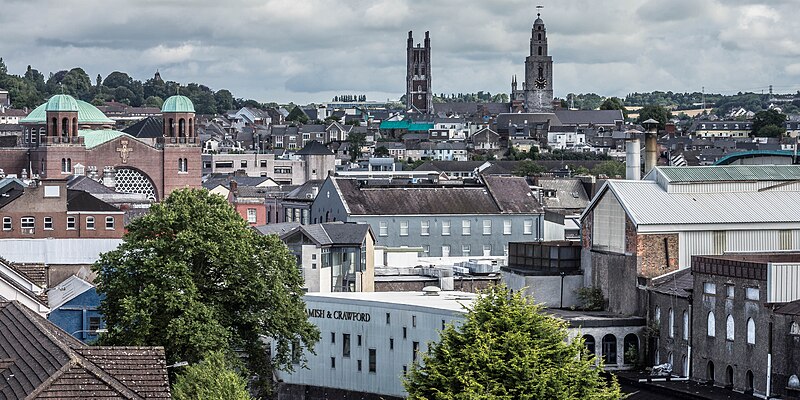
[(431, 291)]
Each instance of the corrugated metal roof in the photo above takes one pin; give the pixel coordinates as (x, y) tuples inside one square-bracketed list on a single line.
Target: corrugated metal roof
[(648, 204), (719, 173)]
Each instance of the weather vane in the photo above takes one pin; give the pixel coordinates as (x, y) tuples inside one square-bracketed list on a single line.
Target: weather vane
[(538, 9)]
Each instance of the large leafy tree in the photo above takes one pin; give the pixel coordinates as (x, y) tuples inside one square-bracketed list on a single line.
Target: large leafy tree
[(614, 103), (507, 348), (769, 123), (658, 113), (213, 378), (193, 277)]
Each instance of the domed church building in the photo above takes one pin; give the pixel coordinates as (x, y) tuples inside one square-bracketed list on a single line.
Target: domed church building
[(66, 136)]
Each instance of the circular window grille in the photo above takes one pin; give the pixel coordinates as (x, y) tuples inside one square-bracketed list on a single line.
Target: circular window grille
[(133, 181)]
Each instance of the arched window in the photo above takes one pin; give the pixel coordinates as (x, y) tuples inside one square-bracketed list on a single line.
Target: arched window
[(64, 126), (751, 331), (794, 329), (588, 341), (657, 315), (685, 366), (729, 377), (712, 325), (64, 165), (74, 127), (191, 127), (710, 371), (749, 382), (669, 358), (630, 348), (540, 50), (729, 328), (181, 127), (171, 127), (671, 323), (180, 165), (685, 325), (610, 349), (539, 36), (54, 124)]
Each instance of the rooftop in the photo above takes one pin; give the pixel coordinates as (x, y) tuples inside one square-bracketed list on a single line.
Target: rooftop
[(178, 104), (87, 114), (446, 301), (726, 173)]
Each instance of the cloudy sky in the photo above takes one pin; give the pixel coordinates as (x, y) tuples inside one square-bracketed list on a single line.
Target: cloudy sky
[(310, 50)]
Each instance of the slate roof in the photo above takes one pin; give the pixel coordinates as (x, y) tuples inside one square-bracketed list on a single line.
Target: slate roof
[(305, 191), (42, 361), (224, 180), (570, 194), (150, 127), (415, 200), (10, 190), (78, 200), (89, 185), (791, 308), (277, 229), (679, 283), (314, 148), (585, 117), (449, 166), (333, 233), (729, 173)]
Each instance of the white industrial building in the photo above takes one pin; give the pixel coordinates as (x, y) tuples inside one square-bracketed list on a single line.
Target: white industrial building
[(369, 340)]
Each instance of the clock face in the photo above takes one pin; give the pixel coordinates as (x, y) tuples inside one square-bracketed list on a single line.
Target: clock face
[(540, 83)]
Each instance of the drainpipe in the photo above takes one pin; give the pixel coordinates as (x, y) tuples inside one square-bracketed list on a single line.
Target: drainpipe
[(689, 349), (769, 362)]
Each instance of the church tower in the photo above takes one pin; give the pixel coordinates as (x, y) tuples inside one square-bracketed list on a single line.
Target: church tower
[(418, 76), (538, 71)]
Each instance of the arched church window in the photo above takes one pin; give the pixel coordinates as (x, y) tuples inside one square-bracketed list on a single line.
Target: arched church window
[(182, 127), (171, 127), (539, 36), (540, 50), (74, 126), (64, 126)]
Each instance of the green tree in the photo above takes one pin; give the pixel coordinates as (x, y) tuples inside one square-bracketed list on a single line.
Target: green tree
[(297, 115), (508, 348), (224, 100), (766, 118), (614, 103), (213, 378), (193, 277), (771, 131), (610, 168), (154, 101), (658, 113), (528, 168), (381, 151), (357, 140)]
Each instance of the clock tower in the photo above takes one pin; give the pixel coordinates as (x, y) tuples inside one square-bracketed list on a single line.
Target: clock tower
[(538, 71)]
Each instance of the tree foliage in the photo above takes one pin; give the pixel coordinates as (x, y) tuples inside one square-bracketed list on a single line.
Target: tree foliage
[(610, 168), (656, 112), (507, 348), (614, 103), (528, 168), (769, 118), (357, 140), (212, 378), (193, 277)]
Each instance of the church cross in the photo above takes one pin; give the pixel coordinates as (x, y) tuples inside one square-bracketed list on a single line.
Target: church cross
[(124, 151)]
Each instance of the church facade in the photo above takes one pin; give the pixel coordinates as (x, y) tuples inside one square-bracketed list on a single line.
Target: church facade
[(65, 137), (419, 97), (536, 94)]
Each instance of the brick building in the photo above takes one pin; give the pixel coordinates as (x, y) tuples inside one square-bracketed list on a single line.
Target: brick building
[(66, 137)]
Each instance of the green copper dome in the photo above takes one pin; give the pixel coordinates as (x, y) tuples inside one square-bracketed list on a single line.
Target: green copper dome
[(177, 104), (61, 102), (87, 114)]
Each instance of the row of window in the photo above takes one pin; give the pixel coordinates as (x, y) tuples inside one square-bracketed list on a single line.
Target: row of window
[(671, 322), (29, 223), (750, 293), (730, 328), (466, 250), (466, 227)]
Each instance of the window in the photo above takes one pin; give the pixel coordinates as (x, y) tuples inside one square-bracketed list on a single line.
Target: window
[(426, 250), (685, 325), (27, 223), (110, 223), (711, 328), (527, 227), (383, 228), (243, 164), (465, 227), (414, 351), (251, 215), (346, 345), (487, 250), (223, 164), (671, 323), (48, 223), (263, 163), (751, 293), (443, 325), (729, 291), (66, 165), (446, 250), (391, 343), (403, 228), (709, 288), (333, 337), (657, 315), (90, 223), (487, 227), (610, 349), (333, 362), (6, 223), (729, 328), (388, 318), (445, 228), (751, 331), (506, 227), (464, 249), (413, 321), (94, 324), (358, 363), (358, 340), (182, 167), (372, 360), (405, 332), (70, 223), (425, 228)]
